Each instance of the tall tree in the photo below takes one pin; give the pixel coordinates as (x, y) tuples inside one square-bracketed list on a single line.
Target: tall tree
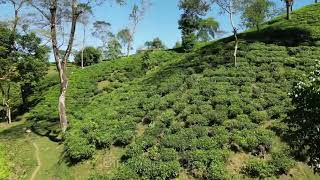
[(7, 70), (304, 118), (136, 15), (90, 56), (102, 31), (124, 36), (54, 11), (156, 43), (256, 12), (114, 48), (9, 67), (190, 21), (231, 7), (84, 20), (177, 45), (17, 6), (32, 64), (207, 29), (289, 5)]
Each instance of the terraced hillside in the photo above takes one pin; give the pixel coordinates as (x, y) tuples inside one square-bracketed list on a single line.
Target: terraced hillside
[(189, 115)]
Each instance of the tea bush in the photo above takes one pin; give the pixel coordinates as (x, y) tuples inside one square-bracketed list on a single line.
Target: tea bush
[(178, 112), (4, 168)]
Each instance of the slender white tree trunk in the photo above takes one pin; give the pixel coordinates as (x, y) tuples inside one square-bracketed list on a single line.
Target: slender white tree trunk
[(6, 102), (62, 104), (235, 34), (83, 45), (8, 113)]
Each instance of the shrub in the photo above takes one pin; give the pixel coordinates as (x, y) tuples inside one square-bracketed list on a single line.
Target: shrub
[(124, 172), (259, 116), (77, 146), (205, 143), (234, 111), (281, 162), (102, 139), (167, 117), (196, 119), (257, 168), (240, 123), (217, 170), (249, 140), (4, 168), (149, 169), (206, 164), (179, 141), (91, 56), (123, 138), (168, 154)]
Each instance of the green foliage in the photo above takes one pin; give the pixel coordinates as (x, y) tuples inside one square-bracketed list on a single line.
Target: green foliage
[(207, 29), (91, 56), (304, 118), (113, 49), (78, 147), (250, 140), (280, 163), (256, 12), (257, 168), (125, 37), (4, 168), (156, 43), (259, 116), (206, 164), (22, 66), (190, 20), (176, 112), (31, 66)]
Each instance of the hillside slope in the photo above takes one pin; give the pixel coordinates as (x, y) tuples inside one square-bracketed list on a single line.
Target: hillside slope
[(190, 115)]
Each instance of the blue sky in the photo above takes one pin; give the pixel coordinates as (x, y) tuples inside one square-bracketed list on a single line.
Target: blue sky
[(161, 20)]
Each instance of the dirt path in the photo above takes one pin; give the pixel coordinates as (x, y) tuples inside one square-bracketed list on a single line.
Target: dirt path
[(35, 172)]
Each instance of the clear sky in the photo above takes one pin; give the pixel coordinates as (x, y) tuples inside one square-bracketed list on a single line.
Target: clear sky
[(161, 20)]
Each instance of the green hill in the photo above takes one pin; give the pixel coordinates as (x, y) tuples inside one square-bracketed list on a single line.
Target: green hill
[(188, 115)]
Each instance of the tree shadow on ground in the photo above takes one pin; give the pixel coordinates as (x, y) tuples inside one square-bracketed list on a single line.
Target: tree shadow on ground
[(14, 132), (47, 128), (293, 36)]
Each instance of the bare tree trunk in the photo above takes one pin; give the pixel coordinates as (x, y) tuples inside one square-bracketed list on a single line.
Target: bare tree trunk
[(128, 49), (235, 34), (60, 67), (62, 98), (8, 113), (289, 9), (6, 102), (61, 63), (132, 35), (258, 27), (83, 44), (236, 41)]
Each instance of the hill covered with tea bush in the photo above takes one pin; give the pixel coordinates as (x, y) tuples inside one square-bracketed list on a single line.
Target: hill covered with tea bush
[(191, 115)]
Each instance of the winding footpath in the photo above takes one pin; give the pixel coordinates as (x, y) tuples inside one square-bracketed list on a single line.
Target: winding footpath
[(35, 172)]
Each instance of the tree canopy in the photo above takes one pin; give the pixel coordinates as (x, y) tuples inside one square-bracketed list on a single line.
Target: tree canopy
[(207, 29), (256, 12), (156, 43), (190, 20), (91, 55)]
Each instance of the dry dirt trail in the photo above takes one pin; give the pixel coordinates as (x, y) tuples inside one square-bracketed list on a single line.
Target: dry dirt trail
[(35, 172)]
